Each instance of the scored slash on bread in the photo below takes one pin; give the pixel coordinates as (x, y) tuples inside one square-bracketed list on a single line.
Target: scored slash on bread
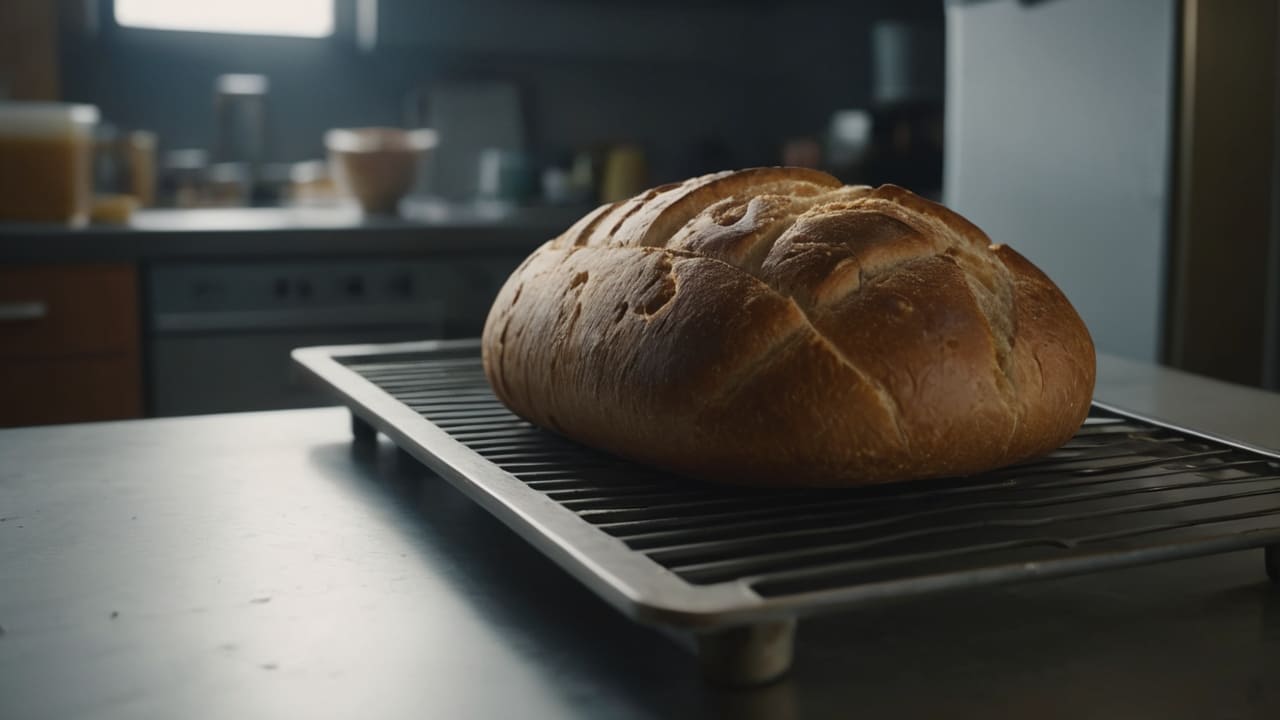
[(773, 327)]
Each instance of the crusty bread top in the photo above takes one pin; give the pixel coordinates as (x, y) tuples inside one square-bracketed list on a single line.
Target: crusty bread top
[(803, 233), (662, 326)]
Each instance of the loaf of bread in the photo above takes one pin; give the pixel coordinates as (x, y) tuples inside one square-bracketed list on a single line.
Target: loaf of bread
[(773, 327)]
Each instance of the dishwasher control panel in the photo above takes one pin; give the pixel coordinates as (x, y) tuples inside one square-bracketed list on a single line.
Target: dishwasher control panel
[(219, 333), (274, 285), (453, 291)]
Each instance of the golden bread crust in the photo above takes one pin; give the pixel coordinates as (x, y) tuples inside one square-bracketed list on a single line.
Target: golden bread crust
[(772, 327)]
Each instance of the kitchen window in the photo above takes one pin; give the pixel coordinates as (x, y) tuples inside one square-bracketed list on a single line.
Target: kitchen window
[(292, 18)]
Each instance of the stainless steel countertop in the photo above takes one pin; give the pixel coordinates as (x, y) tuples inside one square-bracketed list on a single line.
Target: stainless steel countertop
[(253, 232), (260, 565)]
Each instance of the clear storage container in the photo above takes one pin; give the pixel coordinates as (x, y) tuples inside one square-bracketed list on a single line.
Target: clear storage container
[(46, 161)]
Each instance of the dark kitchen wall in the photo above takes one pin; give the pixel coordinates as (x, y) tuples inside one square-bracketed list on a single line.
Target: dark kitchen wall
[(696, 83)]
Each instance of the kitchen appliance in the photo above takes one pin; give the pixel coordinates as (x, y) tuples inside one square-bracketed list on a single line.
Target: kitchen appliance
[(731, 569), (1132, 152), (470, 119), (218, 334)]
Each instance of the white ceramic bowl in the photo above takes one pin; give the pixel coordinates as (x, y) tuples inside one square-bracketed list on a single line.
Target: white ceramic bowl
[(375, 165)]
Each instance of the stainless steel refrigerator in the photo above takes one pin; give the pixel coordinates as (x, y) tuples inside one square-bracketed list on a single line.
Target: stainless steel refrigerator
[(1129, 149)]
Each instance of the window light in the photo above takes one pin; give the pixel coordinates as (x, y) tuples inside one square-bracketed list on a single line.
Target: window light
[(296, 18)]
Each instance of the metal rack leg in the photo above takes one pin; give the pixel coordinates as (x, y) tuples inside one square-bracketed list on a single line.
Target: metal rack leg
[(1272, 555), (362, 431), (747, 655)]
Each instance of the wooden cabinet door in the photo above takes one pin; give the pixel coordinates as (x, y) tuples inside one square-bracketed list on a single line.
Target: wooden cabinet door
[(69, 344)]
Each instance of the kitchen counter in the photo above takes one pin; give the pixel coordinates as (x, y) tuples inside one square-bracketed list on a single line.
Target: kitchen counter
[(261, 565), (256, 232), (215, 298)]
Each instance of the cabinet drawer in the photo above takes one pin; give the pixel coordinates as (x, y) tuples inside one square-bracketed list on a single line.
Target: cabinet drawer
[(58, 390), (59, 310)]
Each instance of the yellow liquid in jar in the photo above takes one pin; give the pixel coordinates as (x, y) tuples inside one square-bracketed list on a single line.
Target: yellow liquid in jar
[(45, 179)]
